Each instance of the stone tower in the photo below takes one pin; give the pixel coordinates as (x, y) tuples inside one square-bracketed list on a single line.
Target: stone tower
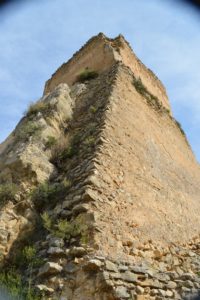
[(107, 187)]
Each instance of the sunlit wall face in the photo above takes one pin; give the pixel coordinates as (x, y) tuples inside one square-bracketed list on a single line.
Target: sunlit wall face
[(36, 37)]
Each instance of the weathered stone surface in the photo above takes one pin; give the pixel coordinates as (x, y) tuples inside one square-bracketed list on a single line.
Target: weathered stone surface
[(78, 251), (122, 292), (130, 277), (44, 288), (70, 268), (56, 251), (110, 266), (50, 268), (93, 265)]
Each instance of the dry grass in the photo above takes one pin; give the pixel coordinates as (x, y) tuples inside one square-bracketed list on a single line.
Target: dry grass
[(40, 106)]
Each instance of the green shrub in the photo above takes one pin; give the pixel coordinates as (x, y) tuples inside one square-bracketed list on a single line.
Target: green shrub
[(50, 142), (89, 141), (69, 152), (47, 193), (47, 221), (29, 253), (7, 192), (93, 109), (86, 75), (40, 106), (27, 130), (61, 228), (27, 257), (11, 280), (65, 229)]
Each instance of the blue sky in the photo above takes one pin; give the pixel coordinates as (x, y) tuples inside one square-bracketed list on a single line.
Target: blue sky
[(36, 37)]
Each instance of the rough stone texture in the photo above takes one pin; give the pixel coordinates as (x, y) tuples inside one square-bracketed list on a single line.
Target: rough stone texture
[(100, 54), (134, 186), (28, 158)]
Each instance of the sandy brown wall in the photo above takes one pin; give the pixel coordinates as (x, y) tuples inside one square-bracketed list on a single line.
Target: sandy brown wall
[(96, 55), (152, 83), (150, 179)]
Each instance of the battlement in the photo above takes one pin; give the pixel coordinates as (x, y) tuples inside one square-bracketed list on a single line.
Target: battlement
[(99, 54)]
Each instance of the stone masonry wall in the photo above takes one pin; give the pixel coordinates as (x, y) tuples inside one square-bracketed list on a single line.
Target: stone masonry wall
[(99, 54), (115, 262)]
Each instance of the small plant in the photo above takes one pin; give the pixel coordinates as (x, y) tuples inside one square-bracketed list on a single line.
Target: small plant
[(93, 109), (12, 282), (139, 86), (86, 75), (151, 99), (63, 229), (29, 253), (47, 193), (8, 192), (50, 142), (63, 150), (47, 221), (40, 106), (89, 141), (69, 152), (57, 149), (27, 130)]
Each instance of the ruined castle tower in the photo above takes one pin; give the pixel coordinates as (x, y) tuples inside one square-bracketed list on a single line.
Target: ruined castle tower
[(106, 185)]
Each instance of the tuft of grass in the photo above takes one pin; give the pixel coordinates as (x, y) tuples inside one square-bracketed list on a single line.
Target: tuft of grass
[(151, 99), (86, 75), (139, 86), (93, 109), (50, 142), (89, 141), (8, 192), (40, 106), (64, 150), (27, 130)]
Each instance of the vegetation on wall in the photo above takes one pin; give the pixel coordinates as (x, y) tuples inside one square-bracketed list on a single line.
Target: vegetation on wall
[(47, 193), (50, 142), (27, 130), (39, 107), (86, 75), (65, 229), (8, 192), (12, 281), (151, 99)]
